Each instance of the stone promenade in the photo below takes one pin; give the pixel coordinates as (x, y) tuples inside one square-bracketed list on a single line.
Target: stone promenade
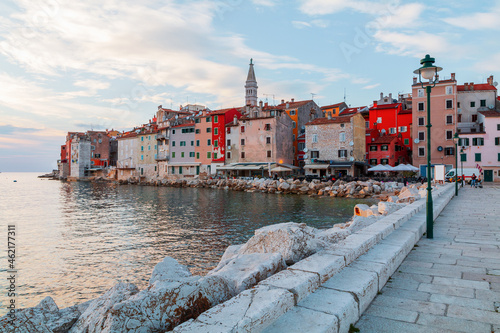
[(450, 283)]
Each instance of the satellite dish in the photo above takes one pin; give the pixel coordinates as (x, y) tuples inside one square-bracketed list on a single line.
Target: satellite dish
[(416, 140), (440, 148), (351, 143), (491, 107), (176, 116), (351, 159), (306, 150), (383, 131), (495, 84), (306, 156)]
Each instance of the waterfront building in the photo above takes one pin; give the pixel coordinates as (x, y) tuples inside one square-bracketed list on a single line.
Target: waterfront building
[(387, 149), (333, 110), (300, 113), (219, 119), (146, 152), (203, 142), (335, 145), (79, 157), (182, 162), (164, 116), (127, 151), (443, 120), (99, 149), (471, 99), (481, 149)]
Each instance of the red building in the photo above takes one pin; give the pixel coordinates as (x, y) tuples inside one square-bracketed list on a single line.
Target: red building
[(220, 118), (387, 150)]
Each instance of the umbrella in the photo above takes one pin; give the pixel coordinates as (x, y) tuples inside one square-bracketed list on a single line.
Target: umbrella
[(381, 168), (402, 167), (413, 168), (280, 168)]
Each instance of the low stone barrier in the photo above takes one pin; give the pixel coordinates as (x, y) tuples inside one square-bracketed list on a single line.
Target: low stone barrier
[(281, 267)]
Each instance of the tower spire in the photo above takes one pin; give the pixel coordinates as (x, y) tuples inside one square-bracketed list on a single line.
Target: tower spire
[(251, 87)]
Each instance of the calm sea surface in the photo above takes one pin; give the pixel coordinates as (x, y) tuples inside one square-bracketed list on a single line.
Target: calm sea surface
[(76, 240)]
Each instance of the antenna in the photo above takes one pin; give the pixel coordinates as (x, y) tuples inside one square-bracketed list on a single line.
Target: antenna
[(344, 94), (312, 95)]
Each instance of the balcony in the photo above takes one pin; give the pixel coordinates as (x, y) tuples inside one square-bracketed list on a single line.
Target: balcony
[(162, 158), (162, 137)]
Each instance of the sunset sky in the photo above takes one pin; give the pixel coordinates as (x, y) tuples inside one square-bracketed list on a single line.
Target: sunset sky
[(72, 66)]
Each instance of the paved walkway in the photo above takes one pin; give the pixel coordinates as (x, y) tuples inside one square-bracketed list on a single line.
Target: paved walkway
[(452, 282)]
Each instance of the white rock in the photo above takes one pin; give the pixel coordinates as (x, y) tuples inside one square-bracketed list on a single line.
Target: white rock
[(299, 283), (386, 208), (293, 240), (284, 186), (332, 235), (361, 222), (92, 320), (246, 270), (364, 210), (169, 269)]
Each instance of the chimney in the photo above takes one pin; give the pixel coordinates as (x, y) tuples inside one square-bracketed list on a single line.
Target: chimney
[(490, 80), (437, 77), (381, 95), (282, 101), (287, 105), (266, 104), (471, 86), (293, 99), (235, 120), (159, 107), (260, 103), (414, 80), (453, 76), (390, 97), (466, 86)]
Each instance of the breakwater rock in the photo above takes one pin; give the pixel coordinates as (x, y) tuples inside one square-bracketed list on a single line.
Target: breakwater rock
[(174, 296)]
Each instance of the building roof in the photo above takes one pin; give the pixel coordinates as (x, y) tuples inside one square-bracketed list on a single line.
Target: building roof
[(127, 136), (477, 87), (351, 111), (222, 111), (384, 139), (183, 125), (409, 111), (291, 105), (385, 106), (332, 106), (490, 113), (335, 120)]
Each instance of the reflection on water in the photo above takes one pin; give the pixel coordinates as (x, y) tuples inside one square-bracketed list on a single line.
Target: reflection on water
[(75, 240)]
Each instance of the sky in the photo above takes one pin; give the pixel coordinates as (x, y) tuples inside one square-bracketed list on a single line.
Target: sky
[(81, 65)]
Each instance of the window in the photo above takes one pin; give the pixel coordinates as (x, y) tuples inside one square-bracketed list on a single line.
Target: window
[(191, 154), (228, 142), (367, 124), (242, 142), (173, 131), (498, 157), (463, 142), (463, 157), (142, 157), (477, 157), (384, 161), (373, 161), (198, 131), (458, 104), (421, 136), (342, 137), (173, 170), (209, 142), (268, 140), (183, 143), (142, 138), (421, 121), (209, 154), (474, 118), (449, 135), (449, 90), (315, 138), (342, 153), (208, 119), (267, 127), (421, 151), (228, 130), (498, 127), (242, 154), (294, 124), (197, 143), (292, 112), (497, 142), (420, 92), (155, 147), (482, 102), (173, 143), (142, 148), (373, 148), (477, 141), (397, 148), (314, 154), (228, 154), (180, 170), (301, 145), (209, 129), (379, 120), (449, 104), (215, 156), (459, 117), (448, 151), (216, 143), (384, 147), (406, 142), (392, 130), (100, 140), (197, 155), (216, 131), (421, 106), (197, 121), (216, 119), (268, 153), (99, 155), (472, 104), (242, 129), (173, 154), (182, 154), (149, 138), (149, 147)]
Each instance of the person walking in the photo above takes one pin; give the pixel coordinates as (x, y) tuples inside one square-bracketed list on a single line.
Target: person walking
[(473, 180)]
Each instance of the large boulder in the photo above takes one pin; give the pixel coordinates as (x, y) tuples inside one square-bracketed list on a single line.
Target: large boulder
[(361, 222), (243, 271), (294, 241), (331, 236), (365, 210), (386, 208)]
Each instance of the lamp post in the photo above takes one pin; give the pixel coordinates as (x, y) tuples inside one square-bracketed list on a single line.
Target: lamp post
[(455, 140), (429, 72), (462, 164)]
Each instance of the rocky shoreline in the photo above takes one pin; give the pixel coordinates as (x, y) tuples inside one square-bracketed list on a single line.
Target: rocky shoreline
[(174, 296)]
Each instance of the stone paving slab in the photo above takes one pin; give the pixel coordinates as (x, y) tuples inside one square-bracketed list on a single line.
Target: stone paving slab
[(460, 290)]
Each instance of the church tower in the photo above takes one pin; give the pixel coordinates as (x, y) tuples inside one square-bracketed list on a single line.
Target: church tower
[(251, 87)]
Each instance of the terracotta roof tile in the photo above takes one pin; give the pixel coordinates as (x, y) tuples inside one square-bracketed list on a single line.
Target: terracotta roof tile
[(331, 106), (490, 113), (481, 86), (336, 120)]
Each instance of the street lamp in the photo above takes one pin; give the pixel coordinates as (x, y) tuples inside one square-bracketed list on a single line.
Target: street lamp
[(455, 140), (462, 164), (429, 72)]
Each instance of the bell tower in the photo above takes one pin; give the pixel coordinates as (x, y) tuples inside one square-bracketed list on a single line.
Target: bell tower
[(251, 87)]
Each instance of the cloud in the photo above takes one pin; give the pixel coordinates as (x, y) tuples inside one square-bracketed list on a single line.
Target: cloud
[(372, 86), (265, 3), (313, 23), (9, 129), (489, 65), (477, 21), (324, 7)]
